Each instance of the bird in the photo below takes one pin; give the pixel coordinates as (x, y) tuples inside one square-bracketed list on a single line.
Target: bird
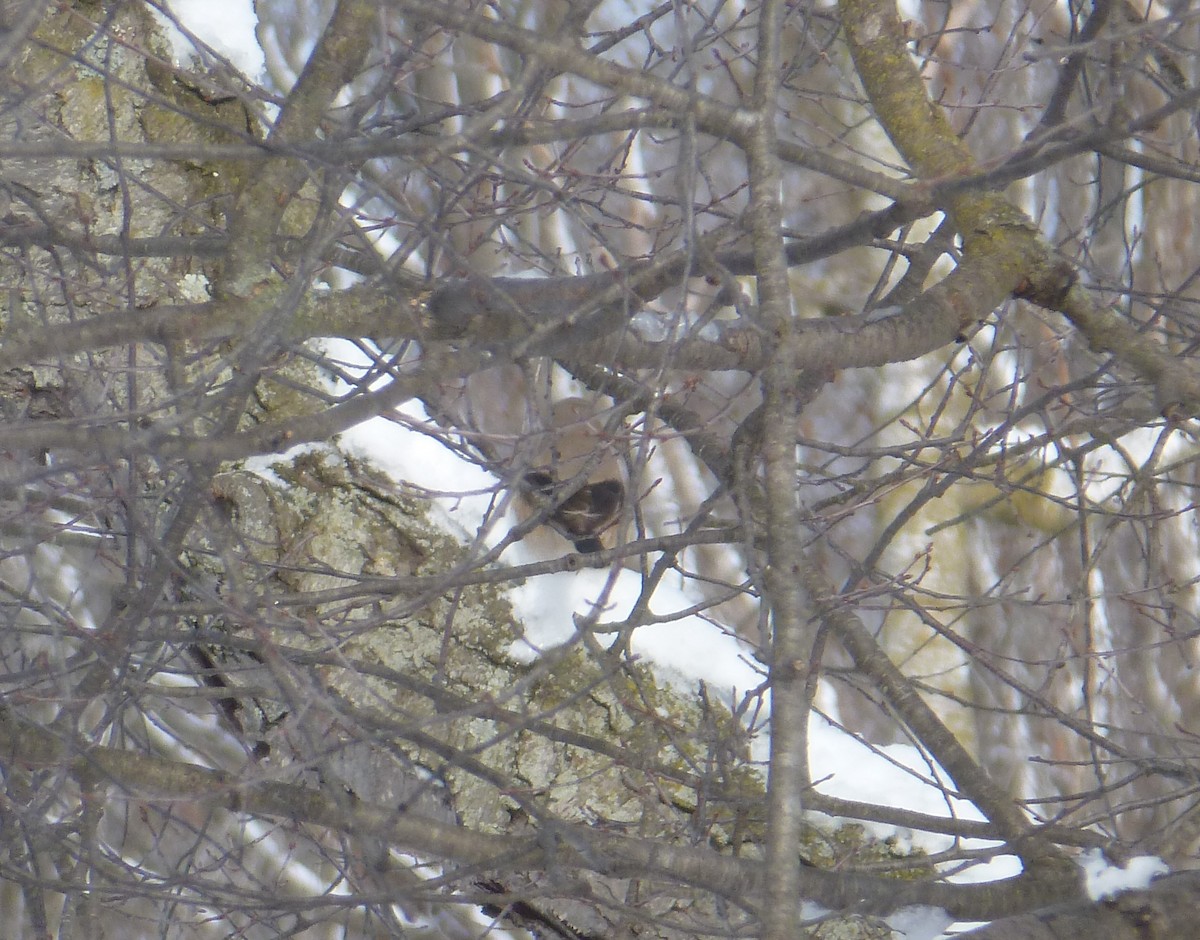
[(582, 516), (575, 477)]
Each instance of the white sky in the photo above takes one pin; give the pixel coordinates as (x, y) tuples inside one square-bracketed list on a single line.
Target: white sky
[(685, 651)]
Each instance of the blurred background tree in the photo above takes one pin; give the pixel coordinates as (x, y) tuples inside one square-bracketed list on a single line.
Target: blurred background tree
[(869, 340)]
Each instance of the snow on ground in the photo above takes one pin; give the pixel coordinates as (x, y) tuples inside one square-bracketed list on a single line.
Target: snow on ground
[(1105, 879), (227, 26)]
